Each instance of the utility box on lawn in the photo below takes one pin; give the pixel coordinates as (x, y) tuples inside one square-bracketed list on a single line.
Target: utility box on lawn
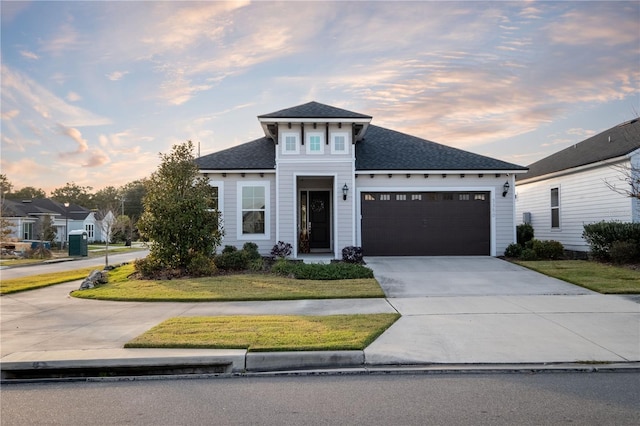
[(78, 244)]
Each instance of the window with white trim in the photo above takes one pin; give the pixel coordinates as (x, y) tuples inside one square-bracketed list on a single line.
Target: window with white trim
[(253, 214), (339, 143), (315, 143), (290, 143), (27, 230), (555, 208), (90, 228)]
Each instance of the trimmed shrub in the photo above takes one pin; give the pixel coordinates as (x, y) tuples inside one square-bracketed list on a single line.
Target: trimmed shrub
[(524, 233), (251, 250), (513, 250), (281, 250), (352, 254), (229, 249), (528, 254), (602, 235), (547, 249), (148, 267), (201, 266), (321, 271), (624, 252), (232, 260)]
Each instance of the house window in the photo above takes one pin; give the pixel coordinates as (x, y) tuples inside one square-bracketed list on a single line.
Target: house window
[(217, 195), (253, 214), (555, 208), (290, 143), (339, 143), (27, 231), (90, 230), (314, 143)]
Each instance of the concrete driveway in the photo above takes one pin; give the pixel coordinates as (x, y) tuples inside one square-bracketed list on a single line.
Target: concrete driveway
[(469, 310), (462, 276)]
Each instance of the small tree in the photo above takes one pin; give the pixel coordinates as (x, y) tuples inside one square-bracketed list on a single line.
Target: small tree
[(179, 217)]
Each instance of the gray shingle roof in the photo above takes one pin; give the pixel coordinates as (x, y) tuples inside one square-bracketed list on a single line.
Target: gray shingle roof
[(254, 155), (314, 110), (615, 142), (384, 149)]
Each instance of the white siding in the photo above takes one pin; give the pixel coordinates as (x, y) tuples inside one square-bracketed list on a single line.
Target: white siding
[(584, 199), (302, 154), (502, 208)]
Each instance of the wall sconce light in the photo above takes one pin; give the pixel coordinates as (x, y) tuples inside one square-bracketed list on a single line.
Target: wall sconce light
[(505, 189), (345, 189)]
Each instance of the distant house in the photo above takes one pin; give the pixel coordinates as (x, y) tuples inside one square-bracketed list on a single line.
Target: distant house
[(582, 184), (323, 178), (25, 214)]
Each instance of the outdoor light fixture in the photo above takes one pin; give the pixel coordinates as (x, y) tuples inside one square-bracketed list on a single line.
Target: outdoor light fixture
[(345, 189), (66, 224), (505, 189)]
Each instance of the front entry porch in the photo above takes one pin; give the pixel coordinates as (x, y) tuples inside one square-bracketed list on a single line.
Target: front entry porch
[(315, 215)]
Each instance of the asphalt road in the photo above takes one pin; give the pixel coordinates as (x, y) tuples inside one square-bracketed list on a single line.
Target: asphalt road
[(46, 268), (453, 399)]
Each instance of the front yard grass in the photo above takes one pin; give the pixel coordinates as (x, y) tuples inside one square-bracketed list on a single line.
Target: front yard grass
[(603, 278), (267, 333), (32, 282), (233, 287)]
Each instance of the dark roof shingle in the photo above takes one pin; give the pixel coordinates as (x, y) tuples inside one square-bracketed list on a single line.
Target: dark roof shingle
[(254, 155), (385, 149), (614, 142), (314, 110)]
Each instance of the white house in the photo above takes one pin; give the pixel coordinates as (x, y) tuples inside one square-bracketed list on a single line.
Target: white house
[(324, 178), (585, 183)]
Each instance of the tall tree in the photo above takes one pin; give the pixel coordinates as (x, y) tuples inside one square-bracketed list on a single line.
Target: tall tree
[(74, 194), (132, 195), (27, 193), (108, 197), (5, 186), (179, 218)]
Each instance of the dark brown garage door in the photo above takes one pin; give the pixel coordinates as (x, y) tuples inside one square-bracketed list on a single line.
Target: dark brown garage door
[(426, 223)]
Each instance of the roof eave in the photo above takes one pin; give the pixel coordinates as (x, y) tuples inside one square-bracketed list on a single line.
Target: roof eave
[(576, 169)]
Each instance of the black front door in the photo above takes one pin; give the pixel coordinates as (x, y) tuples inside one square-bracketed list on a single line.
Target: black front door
[(319, 219)]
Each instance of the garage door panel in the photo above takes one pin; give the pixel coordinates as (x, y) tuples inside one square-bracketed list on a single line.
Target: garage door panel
[(426, 224)]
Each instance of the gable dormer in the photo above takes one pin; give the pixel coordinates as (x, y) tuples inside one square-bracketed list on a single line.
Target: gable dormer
[(311, 127)]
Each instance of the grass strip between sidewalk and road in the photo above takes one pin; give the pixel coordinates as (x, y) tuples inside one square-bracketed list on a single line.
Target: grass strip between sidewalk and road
[(603, 278), (14, 285), (233, 287), (267, 332)]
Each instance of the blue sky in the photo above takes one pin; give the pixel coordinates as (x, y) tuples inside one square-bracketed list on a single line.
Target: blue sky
[(91, 92)]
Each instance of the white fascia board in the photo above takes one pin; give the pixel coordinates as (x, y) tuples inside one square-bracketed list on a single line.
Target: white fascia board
[(205, 171), (572, 170), (438, 172)]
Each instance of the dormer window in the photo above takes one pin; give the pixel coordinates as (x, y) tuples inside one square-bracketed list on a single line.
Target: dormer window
[(290, 144), (315, 143)]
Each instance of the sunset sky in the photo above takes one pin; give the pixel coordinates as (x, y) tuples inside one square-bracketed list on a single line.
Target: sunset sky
[(91, 92)]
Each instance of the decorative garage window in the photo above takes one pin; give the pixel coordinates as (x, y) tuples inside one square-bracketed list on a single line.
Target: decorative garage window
[(314, 143), (555, 208), (464, 197), (432, 196), (447, 196), (369, 197), (479, 197), (416, 197), (253, 214), (401, 197), (385, 197), (339, 143), (290, 143)]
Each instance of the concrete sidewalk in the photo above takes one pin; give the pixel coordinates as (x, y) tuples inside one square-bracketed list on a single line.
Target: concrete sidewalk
[(525, 319)]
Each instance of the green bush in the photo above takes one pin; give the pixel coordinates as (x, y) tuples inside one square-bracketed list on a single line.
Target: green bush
[(624, 252), (201, 266), (602, 235), (148, 266), (524, 233), (547, 249), (232, 260), (229, 249), (257, 265), (321, 271), (251, 250), (528, 254), (513, 250)]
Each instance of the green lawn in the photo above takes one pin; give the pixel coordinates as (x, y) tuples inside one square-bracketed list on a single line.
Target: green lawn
[(267, 333), (595, 276), (227, 288), (43, 280)]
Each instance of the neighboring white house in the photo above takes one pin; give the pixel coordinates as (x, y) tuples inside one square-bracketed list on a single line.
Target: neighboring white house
[(24, 215), (566, 190), (324, 178)]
